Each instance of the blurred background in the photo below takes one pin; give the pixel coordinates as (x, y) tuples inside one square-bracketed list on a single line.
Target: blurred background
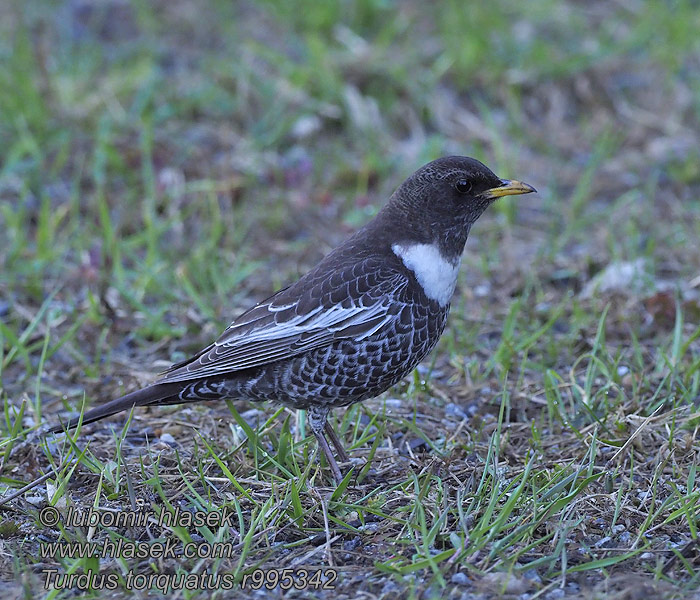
[(168, 162), (213, 135), (164, 164)]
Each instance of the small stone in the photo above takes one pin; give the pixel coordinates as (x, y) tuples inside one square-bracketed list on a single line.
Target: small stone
[(482, 290), (352, 544), (507, 583), (454, 410), (305, 126), (532, 575), (166, 438)]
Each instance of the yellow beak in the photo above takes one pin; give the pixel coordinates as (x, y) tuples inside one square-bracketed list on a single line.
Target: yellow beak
[(510, 187)]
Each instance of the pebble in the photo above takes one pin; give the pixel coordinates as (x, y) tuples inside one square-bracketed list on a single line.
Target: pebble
[(166, 438), (454, 410)]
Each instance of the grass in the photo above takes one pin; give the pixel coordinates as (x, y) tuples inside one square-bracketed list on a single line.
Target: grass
[(165, 165)]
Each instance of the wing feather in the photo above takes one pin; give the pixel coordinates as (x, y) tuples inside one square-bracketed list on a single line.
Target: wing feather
[(311, 314)]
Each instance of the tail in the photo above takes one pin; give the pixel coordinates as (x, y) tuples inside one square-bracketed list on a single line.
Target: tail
[(159, 393)]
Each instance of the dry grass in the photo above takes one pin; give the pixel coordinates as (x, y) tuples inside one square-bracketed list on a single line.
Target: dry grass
[(164, 165)]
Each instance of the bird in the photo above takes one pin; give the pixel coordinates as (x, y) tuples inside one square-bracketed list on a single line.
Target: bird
[(355, 324)]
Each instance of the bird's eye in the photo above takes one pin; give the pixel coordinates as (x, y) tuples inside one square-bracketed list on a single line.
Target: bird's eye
[(463, 186)]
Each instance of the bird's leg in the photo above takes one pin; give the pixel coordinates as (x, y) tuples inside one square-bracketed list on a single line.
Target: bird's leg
[(317, 422), (335, 440)]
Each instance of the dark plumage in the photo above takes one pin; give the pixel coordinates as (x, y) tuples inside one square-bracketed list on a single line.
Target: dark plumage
[(355, 324)]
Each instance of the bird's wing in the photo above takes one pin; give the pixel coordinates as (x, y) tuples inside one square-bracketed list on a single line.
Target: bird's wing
[(350, 302)]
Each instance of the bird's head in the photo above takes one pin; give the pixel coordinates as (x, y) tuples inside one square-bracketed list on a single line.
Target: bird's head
[(442, 199)]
